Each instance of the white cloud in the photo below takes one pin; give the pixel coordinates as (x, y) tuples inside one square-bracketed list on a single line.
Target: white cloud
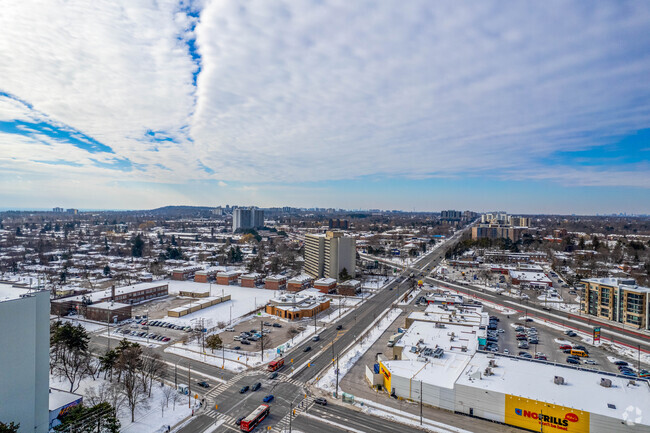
[(295, 92)]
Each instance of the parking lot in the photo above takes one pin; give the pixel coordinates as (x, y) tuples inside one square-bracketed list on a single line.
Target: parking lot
[(156, 331), (276, 330)]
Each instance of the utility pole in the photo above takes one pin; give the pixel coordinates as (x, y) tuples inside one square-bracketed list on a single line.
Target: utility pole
[(176, 375), (108, 328), (638, 362), (189, 385), (262, 339), (336, 390), (314, 312)]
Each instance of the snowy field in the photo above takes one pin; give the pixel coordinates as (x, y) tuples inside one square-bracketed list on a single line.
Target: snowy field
[(328, 381), (243, 301), (151, 418), (88, 325)]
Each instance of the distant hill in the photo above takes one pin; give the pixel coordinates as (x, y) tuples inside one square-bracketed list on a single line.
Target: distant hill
[(178, 211)]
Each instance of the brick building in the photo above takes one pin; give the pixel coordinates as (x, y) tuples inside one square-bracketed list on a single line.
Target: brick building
[(325, 285), (296, 306), (301, 282), (275, 282), (250, 280)]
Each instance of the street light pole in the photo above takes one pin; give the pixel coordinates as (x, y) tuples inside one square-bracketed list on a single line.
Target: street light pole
[(420, 402), (189, 384)]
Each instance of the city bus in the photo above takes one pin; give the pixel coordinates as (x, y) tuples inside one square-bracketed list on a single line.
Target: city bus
[(276, 365), (256, 417)]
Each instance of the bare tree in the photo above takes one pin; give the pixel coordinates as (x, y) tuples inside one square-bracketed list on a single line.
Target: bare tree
[(106, 392), (73, 365), (130, 364), (168, 393), (152, 368)]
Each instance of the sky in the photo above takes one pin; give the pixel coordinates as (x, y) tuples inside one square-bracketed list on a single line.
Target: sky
[(528, 107)]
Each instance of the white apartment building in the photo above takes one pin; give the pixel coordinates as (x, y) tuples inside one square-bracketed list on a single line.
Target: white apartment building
[(25, 342), (247, 219), (327, 255)]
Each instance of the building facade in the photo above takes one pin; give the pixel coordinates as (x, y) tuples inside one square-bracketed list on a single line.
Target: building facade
[(296, 306), (327, 255), (247, 219), (25, 342), (617, 299)]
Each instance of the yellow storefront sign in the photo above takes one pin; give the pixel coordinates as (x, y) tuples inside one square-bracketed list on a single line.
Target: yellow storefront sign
[(539, 416), (384, 372)]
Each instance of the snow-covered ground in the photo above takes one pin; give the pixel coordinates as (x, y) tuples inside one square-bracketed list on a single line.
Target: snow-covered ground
[(151, 418), (412, 295), (328, 381), (241, 360), (243, 301), (376, 282), (88, 325)]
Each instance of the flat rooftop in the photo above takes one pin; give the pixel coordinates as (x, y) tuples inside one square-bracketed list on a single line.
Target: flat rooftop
[(102, 294), (534, 380), (441, 372)]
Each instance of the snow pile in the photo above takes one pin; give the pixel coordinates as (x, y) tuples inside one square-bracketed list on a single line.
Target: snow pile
[(328, 381)]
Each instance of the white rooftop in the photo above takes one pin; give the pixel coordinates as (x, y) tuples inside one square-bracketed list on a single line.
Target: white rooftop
[(326, 281), (9, 292), (451, 338), (59, 398), (441, 372), (103, 294), (109, 305), (534, 380), (538, 277)]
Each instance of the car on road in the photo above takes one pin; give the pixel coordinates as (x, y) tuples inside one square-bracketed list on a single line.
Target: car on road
[(257, 386), (338, 328), (273, 375), (268, 398), (244, 389), (321, 401), (306, 349), (203, 384)]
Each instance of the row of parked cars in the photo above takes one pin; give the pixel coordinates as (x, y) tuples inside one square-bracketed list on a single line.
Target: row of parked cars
[(143, 334), (163, 324), (493, 332), (526, 337), (626, 370)]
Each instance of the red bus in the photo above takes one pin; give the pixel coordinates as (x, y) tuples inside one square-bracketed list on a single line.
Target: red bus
[(256, 417), (276, 365)]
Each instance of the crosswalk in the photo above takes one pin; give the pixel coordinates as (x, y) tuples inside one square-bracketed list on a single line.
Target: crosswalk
[(218, 416), (283, 425)]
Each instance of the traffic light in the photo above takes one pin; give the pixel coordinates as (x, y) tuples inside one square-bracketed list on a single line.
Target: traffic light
[(216, 406)]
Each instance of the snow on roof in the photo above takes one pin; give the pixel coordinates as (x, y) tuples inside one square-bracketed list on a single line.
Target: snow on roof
[(276, 278), (109, 305), (452, 338), (534, 380), (103, 294), (59, 398), (301, 278), (441, 372), (231, 273), (325, 281), (537, 277), (253, 275), (9, 292), (624, 283)]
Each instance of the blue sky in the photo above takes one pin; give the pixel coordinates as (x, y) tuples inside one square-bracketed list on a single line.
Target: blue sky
[(526, 107)]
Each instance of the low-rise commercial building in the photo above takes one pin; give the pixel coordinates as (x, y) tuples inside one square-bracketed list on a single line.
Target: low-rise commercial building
[(185, 273), (349, 288), (325, 285), (296, 306), (108, 312), (227, 278), (275, 282), (298, 283), (251, 280), (134, 294)]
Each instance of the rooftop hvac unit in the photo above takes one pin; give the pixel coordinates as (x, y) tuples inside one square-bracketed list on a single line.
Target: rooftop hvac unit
[(421, 359), (488, 371), (492, 363), (558, 380), (607, 383), (438, 352), (463, 348)]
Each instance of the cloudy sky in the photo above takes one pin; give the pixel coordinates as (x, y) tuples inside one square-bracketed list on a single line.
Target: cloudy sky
[(426, 105)]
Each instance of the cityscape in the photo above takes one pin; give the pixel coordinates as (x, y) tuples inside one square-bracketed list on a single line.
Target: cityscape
[(324, 216)]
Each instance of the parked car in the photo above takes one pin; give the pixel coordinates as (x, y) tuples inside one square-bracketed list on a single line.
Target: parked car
[(565, 347), (237, 338), (236, 348), (244, 389), (268, 398), (277, 325), (321, 401), (506, 352), (246, 342), (257, 386), (590, 362), (572, 360), (620, 363)]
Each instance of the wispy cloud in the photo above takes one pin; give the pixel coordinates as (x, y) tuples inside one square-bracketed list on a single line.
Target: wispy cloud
[(332, 90)]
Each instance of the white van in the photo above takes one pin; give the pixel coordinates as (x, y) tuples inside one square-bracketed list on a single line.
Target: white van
[(230, 329)]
